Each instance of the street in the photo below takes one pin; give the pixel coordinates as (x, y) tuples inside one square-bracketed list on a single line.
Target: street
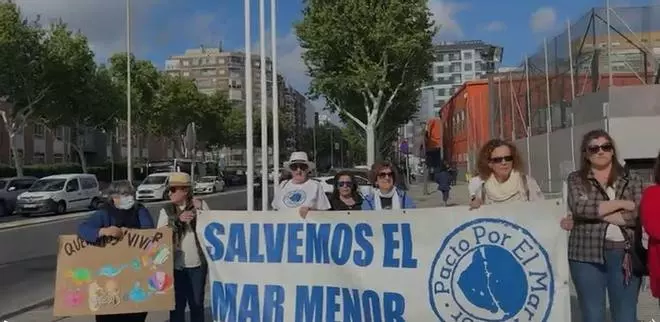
[(27, 265)]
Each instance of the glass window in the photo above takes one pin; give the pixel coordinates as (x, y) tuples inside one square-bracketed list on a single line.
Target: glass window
[(467, 56), (467, 67), (72, 185)]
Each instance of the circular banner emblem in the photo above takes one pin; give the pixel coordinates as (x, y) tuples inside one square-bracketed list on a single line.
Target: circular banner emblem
[(491, 270)]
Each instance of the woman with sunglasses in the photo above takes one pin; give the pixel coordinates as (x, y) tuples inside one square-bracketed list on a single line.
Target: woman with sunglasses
[(603, 198), (345, 195), (386, 195), (299, 192), (502, 178), (190, 269), (120, 213)]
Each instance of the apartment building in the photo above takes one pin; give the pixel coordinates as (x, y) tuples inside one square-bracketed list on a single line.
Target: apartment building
[(458, 62), (214, 69)]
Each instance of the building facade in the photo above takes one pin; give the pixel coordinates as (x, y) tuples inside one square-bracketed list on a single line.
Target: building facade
[(215, 70), (458, 62)]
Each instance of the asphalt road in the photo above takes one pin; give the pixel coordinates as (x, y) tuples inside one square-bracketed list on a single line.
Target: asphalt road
[(28, 255)]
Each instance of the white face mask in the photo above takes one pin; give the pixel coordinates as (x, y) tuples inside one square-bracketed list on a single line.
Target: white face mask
[(125, 202)]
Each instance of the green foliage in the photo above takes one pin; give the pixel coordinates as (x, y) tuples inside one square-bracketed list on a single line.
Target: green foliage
[(145, 84), (234, 128), (368, 58)]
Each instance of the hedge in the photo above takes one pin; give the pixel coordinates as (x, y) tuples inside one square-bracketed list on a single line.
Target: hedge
[(103, 173)]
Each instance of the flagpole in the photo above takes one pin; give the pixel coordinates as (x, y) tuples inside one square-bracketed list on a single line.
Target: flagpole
[(264, 106), (572, 115), (528, 95), (129, 121), (249, 131), (548, 121), (275, 94)]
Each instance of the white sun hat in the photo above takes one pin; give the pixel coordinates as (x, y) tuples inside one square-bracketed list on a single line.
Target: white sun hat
[(299, 157)]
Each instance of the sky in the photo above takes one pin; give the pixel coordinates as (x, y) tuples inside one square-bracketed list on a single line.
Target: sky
[(161, 28)]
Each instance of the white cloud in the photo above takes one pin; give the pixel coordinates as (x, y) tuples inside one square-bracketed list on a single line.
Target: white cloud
[(544, 19), (495, 26), (444, 13), (102, 21)]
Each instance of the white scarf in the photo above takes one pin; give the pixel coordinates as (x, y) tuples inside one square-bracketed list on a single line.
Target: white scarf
[(394, 194), (510, 190)]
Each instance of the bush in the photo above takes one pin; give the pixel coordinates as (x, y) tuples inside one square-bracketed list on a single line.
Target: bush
[(103, 173)]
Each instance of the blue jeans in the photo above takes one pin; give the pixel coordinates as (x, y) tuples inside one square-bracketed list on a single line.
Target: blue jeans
[(593, 280), (189, 287)]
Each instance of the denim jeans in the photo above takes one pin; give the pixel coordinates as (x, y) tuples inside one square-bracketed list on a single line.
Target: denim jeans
[(593, 280), (189, 287)]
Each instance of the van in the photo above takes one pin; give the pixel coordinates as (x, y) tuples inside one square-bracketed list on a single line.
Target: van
[(154, 187), (59, 194)]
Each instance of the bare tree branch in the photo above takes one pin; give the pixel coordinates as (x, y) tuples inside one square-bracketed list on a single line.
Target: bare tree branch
[(396, 91), (351, 116)]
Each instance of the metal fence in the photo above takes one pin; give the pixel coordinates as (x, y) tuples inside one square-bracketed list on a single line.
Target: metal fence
[(586, 57)]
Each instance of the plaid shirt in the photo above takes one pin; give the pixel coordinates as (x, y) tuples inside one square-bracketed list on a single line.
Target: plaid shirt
[(587, 238)]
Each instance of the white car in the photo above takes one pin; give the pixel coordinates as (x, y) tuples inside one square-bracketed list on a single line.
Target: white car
[(60, 193), (209, 184), (328, 184), (154, 187)]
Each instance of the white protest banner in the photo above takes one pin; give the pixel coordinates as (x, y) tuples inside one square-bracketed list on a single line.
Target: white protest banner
[(497, 263)]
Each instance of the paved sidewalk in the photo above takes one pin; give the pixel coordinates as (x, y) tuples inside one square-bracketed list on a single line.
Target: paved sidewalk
[(457, 196)]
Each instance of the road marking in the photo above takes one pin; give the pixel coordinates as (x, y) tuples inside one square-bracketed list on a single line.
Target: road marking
[(68, 217)]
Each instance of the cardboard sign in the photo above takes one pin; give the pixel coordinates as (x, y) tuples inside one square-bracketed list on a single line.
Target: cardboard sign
[(131, 274)]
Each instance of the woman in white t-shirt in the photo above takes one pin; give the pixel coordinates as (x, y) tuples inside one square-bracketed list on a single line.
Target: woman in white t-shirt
[(300, 192)]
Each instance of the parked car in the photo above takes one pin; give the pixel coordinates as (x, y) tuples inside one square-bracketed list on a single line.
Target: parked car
[(154, 187), (59, 194), (10, 188), (328, 184), (234, 177), (209, 184)]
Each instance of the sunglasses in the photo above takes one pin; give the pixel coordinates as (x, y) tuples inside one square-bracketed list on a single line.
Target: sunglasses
[(606, 147), (175, 189), (507, 158), (344, 184), (383, 175), (300, 166)]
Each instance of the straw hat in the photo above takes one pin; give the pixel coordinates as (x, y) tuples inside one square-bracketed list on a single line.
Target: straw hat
[(179, 179)]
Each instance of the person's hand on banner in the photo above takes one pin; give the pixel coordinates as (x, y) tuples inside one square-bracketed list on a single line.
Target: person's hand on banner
[(475, 203), (186, 216), (567, 223), (112, 231), (303, 212)]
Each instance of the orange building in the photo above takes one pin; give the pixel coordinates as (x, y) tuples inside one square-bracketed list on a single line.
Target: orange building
[(482, 109)]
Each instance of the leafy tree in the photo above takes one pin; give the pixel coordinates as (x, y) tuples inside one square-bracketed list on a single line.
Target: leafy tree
[(214, 110), (234, 128), (145, 82), (24, 81), (328, 137), (364, 57), (85, 97)]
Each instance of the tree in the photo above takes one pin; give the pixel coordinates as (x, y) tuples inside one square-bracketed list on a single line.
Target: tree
[(86, 97), (145, 82), (24, 82), (363, 55)]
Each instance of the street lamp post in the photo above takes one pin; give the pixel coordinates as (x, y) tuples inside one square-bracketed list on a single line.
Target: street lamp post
[(129, 124), (264, 106)]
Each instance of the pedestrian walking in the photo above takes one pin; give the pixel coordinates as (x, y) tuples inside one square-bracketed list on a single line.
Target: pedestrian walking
[(190, 269), (386, 195), (603, 199), (120, 213), (443, 179)]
